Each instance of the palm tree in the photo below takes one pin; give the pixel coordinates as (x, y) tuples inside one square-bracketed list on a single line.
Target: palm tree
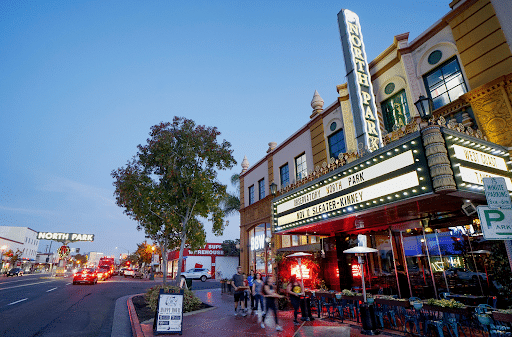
[(231, 203)]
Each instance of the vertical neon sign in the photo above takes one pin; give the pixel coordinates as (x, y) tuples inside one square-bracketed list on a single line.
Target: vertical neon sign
[(360, 88)]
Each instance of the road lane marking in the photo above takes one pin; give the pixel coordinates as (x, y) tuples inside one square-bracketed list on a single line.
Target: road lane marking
[(18, 301), (68, 283), (25, 285), (51, 289)]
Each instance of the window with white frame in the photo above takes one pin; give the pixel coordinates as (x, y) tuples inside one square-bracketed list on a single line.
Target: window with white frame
[(445, 83)]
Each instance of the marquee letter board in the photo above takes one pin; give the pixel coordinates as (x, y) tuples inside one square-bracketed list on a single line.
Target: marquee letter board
[(169, 313)]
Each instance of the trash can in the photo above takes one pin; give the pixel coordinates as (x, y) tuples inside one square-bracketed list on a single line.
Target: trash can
[(152, 276), (189, 283)]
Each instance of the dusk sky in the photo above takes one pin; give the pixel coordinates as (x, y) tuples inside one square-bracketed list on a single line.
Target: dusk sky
[(82, 82)]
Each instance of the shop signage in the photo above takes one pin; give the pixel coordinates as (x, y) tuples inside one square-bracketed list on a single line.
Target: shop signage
[(496, 193), (390, 175), (258, 242), (400, 183), (496, 224), (362, 100), (356, 270), (478, 157), (209, 249), (305, 272), (400, 161), (473, 160), (169, 313), (64, 236), (476, 177)]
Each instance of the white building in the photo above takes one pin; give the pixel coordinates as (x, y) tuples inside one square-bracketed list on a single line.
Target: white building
[(93, 258), (23, 239)]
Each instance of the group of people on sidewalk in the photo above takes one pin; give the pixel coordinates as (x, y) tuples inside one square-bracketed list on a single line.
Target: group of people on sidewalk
[(263, 295)]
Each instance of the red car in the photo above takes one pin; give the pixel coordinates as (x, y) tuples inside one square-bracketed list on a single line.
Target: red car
[(86, 275)]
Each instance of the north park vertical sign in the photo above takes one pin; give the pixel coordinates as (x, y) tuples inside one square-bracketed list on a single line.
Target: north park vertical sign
[(366, 122)]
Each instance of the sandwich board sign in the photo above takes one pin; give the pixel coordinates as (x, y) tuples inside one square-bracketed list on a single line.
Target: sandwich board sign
[(169, 313)]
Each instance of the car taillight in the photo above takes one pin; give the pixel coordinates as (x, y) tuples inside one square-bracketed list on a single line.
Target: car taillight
[(209, 272)]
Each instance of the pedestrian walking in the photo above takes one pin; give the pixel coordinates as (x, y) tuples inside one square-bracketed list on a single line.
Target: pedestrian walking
[(269, 291), (250, 282), (238, 283), (295, 291), (257, 292)]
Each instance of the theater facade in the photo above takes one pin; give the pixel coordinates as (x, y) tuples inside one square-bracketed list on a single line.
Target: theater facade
[(368, 167)]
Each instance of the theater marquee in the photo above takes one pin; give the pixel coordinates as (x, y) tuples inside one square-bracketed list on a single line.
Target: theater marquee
[(473, 159), (396, 174)]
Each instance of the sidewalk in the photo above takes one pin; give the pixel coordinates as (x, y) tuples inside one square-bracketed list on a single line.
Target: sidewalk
[(221, 321)]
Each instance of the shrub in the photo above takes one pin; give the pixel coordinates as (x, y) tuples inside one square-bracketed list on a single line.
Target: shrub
[(190, 301)]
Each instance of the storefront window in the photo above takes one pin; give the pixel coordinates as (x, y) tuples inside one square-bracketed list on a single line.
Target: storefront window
[(295, 240), (259, 250), (285, 241)]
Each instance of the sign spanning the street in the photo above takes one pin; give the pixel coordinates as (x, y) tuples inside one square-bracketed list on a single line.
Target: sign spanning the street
[(496, 224), (359, 82), (169, 313), (64, 236)]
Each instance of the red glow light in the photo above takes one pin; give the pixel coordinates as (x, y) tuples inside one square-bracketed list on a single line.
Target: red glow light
[(305, 272), (356, 270)]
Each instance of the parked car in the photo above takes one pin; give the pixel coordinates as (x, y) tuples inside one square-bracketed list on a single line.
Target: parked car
[(86, 275), (129, 272), (15, 272), (197, 274), (465, 274), (133, 273)]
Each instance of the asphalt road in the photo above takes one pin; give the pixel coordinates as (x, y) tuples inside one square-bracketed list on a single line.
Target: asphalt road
[(35, 305)]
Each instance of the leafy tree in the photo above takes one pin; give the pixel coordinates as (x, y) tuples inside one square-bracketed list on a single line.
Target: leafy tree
[(13, 256), (145, 252), (80, 259), (500, 266), (229, 247), (172, 182), (231, 203)]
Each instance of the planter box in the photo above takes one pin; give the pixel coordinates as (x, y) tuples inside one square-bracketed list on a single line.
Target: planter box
[(501, 317), (393, 303), (353, 298), (460, 311)]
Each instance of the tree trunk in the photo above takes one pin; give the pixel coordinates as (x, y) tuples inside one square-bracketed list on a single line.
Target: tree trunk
[(180, 261), (163, 249)]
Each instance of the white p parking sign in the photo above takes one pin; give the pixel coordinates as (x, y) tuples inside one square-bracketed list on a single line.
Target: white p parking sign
[(496, 223)]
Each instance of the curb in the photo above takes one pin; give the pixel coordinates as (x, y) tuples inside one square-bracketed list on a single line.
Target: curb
[(134, 320)]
